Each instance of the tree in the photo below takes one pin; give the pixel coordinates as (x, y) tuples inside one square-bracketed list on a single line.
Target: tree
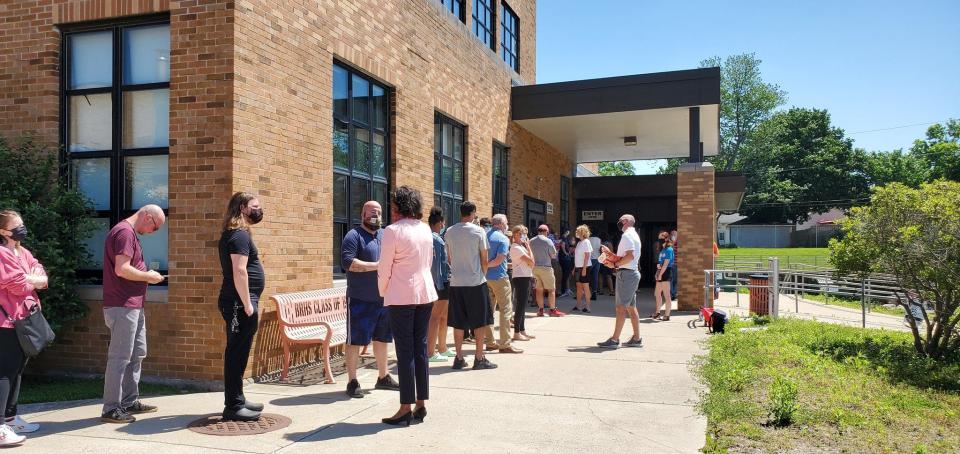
[(883, 168), (941, 150), (615, 168), (797, 163), (57, 217), (914, 234)]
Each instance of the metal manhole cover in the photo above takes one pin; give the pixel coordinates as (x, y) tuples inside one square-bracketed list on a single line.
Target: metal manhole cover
[(215, 425)]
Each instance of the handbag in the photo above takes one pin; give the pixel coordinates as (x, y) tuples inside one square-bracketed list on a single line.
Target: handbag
[(33, 331)]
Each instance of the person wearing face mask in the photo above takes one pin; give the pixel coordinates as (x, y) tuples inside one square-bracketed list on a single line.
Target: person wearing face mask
[(21, 276), (368, 320), (628, 279), (125, 279)]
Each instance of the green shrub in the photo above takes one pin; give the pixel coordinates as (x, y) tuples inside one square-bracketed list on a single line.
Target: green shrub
[(760, 320), (783, 401)]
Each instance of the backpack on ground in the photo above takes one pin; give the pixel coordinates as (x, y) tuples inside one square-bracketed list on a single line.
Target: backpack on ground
[(718, 321)]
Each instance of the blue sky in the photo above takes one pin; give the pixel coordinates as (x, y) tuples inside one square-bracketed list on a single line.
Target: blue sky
[(872, 64)]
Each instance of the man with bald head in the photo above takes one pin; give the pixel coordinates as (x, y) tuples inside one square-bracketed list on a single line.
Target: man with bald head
[(628, 279), (367, 319), (125, 279)]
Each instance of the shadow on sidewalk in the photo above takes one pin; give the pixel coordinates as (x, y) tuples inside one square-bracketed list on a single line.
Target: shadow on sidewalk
[(338, 431), (337, 395), (60, 427), (159, 425)]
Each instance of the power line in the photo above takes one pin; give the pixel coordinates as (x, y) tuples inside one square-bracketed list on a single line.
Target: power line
[(898, 127)]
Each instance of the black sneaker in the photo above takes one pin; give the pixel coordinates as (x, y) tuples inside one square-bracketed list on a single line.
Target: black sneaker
[(638, 342), (483, 363), (353, 389), (117, 416), (575, 309), (388, 383), (139, 407), (609, 343), (459, 363), (585, 310)]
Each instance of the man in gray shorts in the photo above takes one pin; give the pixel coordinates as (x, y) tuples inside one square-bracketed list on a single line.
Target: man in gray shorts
[(628, 279), (543, 253)]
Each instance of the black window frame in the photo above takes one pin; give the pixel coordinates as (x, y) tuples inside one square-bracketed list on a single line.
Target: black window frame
[(510, 28), (449, 201), (457, 8), (484, 26), (116, 212), (352, 218), (566, 185), (501, 187)]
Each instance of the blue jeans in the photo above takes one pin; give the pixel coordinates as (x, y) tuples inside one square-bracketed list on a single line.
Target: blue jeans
[(594, 278), (673, 281)]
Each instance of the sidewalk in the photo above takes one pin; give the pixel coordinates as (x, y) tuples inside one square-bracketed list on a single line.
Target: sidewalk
[(812, 310), (563, 395)]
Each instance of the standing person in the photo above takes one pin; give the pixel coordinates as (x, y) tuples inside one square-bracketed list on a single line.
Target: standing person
[(544, 252), (368, 320), (661, 293), (21, 276), (243, 283), (628, 279), (565, 257), (606, 273), (499, 283), (125, 279), (581, 273), (469, 306), (673, 274), (440, 269), (594, 266), (522, 258), (406, 284)]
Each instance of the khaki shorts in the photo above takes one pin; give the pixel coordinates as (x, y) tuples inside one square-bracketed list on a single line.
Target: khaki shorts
[(544, 278)]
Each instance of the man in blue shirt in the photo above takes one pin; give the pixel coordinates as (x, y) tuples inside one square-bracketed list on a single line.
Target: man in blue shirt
[(367, 318), (501, 294)]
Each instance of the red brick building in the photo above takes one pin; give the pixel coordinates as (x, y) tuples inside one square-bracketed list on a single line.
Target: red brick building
[(316, 106)]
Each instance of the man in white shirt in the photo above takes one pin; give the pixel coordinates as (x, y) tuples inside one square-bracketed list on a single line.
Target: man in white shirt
[(628, 279)]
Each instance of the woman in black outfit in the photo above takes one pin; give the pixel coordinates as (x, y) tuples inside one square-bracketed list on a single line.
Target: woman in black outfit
[(243, 282)]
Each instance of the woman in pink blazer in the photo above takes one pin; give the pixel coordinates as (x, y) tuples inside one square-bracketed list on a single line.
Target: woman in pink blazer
[(406, 284)]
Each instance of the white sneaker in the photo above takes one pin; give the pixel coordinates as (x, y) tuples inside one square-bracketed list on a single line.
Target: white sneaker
[(8, 437), (21, 426)]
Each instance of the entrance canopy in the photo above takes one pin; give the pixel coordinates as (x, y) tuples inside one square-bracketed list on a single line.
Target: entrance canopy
[(667, 115)]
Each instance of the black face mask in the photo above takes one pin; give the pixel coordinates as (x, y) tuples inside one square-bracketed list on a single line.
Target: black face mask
[(620, 225), (256, 215), (19, 233)]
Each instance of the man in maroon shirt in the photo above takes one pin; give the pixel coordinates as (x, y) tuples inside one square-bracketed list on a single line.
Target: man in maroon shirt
[(125, 279)]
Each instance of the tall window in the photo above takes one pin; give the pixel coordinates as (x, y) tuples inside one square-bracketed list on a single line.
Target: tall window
[(564, 203), (115, 113), (361, 137), (483, 21), (510, 37), (499, 179), (448, 168), (457, 7)]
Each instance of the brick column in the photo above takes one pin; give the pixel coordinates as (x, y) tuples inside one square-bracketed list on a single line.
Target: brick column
[(695, 230)]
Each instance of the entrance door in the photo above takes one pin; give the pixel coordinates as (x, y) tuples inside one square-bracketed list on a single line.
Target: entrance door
[(534, 214)]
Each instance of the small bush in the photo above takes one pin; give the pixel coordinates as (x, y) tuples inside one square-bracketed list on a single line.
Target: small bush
[(761, 320), (783, 401)]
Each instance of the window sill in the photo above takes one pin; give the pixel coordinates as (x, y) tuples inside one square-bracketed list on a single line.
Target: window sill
[(94, 293)]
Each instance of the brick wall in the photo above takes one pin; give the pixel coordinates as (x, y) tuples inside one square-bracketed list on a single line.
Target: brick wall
[(535, 170), (695, 222)]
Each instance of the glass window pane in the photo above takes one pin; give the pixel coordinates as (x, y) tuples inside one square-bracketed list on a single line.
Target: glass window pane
[(458, 179), (91, 123), (379, 107), (359, 194), (458, 143), (341, 141), (361, 97), (361, 151), (379, 156), (380, 195), (146, 54), (339, 231), (95, 243), (92, 178), (340, 91), (145, 181), (447, 176), (91, 59), (339, 195), (155, 248), (436, 174), (146, 119), (447, 139)]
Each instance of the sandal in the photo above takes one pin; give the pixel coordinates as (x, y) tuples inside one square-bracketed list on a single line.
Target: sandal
[(655, 315)]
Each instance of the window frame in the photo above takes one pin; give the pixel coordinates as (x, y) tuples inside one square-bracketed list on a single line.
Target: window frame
[(485, 28), (117, 89), (566, 185), (451, 5), (503, 152), (510, 25), (441, 197)]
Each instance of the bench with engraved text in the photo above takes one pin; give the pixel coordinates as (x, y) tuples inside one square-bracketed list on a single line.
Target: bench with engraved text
[(312, 317)]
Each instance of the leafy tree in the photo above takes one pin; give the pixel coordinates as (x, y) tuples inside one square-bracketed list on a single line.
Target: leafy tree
[(941, 150), (914, 234), (883, 168), (616, 168), (58, 218)]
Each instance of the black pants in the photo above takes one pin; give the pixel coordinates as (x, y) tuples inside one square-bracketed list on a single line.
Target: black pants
[(409, 325), (521, 290), (566, 267), (12, 363), (239, 341)]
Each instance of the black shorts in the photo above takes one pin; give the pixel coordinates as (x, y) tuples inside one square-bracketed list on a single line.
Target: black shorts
[(582, 279), (469, 307), (443, 293), (666, 275)]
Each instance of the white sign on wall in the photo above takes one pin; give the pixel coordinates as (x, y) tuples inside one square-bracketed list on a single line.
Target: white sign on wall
[(596, 215), (549, 208)]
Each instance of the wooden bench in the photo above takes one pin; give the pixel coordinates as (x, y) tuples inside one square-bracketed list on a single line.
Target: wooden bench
[(312, 317)]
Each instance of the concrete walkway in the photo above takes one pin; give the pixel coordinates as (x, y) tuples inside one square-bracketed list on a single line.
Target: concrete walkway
[(812, 310), (562, 395)]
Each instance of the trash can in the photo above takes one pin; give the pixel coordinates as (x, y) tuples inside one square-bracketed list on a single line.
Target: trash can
[(759, 294)]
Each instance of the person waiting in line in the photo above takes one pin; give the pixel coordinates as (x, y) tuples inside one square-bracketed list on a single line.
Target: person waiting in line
[(125, 279), (628, 279), (405, 282), (469, 306), (594, 266), (498, 281), (522, 258), (544, 253), (606, 273), (368, 320), (658, 246), (437, 350), (673, 274), (661, 292), (240, 291), (565, 257), (21, 275), (581, 270)]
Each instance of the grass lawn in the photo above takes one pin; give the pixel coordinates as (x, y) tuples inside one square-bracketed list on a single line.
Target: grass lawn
[(36, 389), (807, 256), (852, 303), (856, 390)]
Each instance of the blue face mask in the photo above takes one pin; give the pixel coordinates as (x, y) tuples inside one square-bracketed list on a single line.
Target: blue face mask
[(19, 233)]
